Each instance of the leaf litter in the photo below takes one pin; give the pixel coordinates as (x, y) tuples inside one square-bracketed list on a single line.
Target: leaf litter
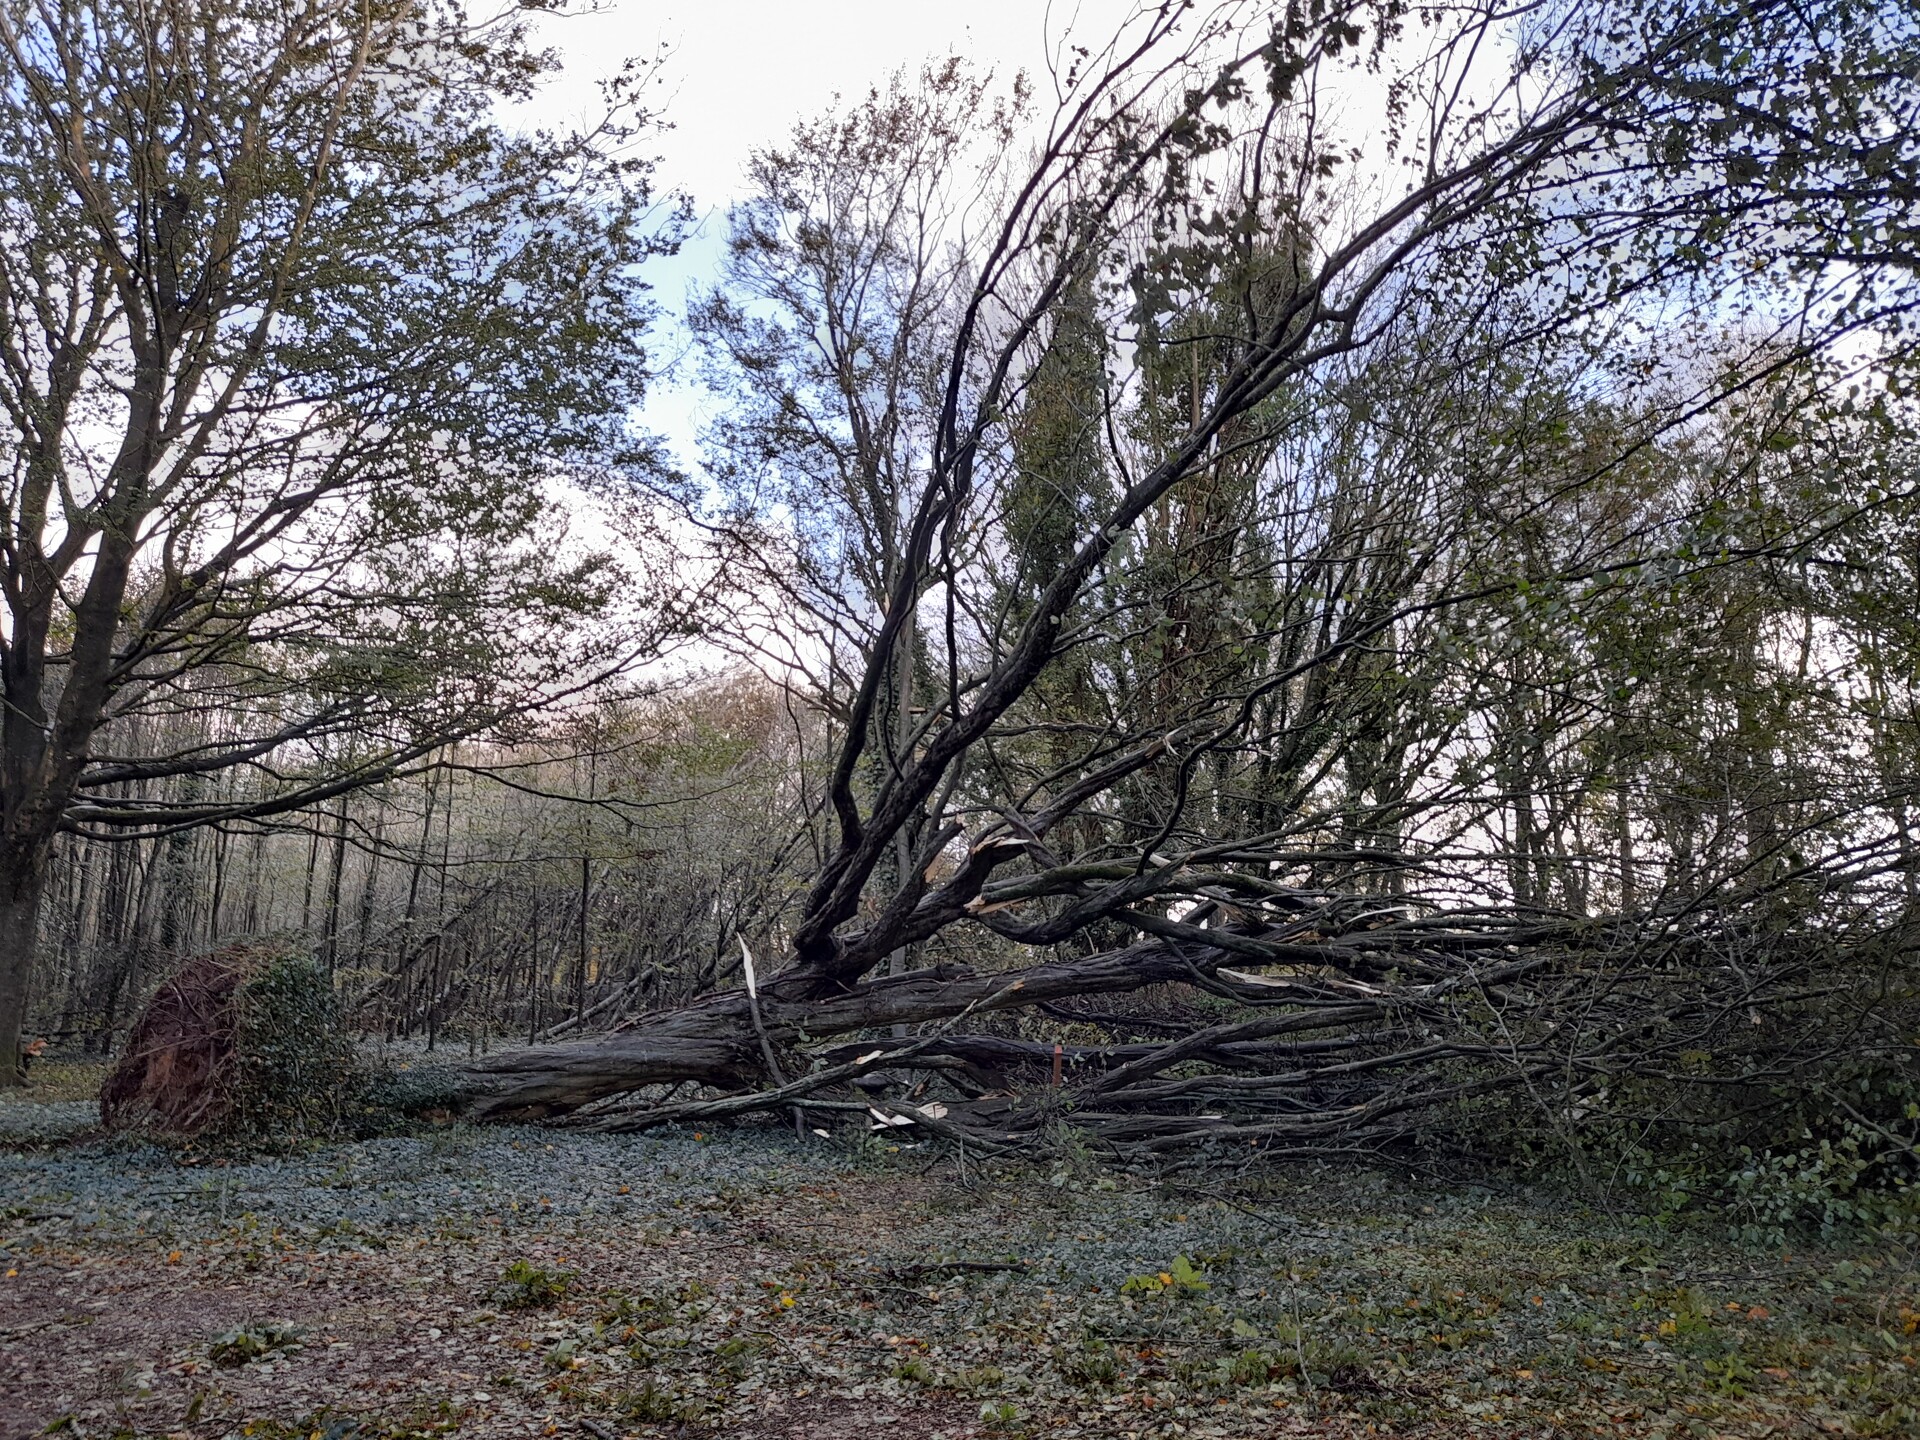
[(517, 1282)]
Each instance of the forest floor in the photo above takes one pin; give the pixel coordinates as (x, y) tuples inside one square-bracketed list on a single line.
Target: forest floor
[(515, 1282)]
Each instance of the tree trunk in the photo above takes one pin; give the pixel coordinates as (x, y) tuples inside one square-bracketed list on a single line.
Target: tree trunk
[(330, 943), (718, 1040), (22, 882), (580, 971)]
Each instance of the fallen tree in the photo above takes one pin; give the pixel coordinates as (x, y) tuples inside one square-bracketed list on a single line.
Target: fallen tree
[(1354, 1045), (1095, 679)]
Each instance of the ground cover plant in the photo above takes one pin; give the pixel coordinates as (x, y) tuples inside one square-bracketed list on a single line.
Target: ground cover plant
[(505, 1281)]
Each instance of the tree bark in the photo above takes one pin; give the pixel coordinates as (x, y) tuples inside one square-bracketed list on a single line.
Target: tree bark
[(714, 1041), (22, 883), (330, 941)]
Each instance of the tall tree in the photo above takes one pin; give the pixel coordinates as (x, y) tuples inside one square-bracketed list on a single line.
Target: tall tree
[(295, 335)]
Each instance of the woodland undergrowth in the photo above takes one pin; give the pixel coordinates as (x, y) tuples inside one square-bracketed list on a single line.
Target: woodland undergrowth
[(507, 1281)]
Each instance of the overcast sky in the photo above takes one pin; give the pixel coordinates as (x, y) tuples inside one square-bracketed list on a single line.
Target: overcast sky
[(739, 73)]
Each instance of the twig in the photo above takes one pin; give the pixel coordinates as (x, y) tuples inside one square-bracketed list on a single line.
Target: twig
[(944, 1267)]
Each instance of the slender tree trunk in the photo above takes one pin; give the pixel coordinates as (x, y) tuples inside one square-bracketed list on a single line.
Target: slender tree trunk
[(533, 970), (580, 973), (78, 941), (369, 884), (1623, 843), (440, 914), (255, 859), (220, 847), (331, 943), (149, 868), (433, 997), (313, 864)]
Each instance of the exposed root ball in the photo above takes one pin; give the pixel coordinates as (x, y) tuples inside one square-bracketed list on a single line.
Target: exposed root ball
[(247, 1040), (180, 1070)]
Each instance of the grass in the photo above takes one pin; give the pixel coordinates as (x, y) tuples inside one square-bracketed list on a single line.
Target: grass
[(59, 1082)]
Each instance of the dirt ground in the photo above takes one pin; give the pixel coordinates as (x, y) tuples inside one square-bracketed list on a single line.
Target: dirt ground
[(495, 1283)]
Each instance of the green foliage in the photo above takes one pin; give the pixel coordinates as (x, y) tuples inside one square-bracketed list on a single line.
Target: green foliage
[(654, 1403), (296, 1071), (247, 1343), (979, 1379), (412, 1091), (737, 1354), (1093, 1367), (525, 1286), (1842, 1153), (1250, 1367), (1689, 1315), (52, 1081), (1825, 1184), (999, 1414), (652, 1310), (1826, 1146), (1179, 1278)]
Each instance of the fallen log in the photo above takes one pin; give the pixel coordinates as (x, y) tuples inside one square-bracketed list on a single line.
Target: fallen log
[(1319, 1044), (1357, 1052)]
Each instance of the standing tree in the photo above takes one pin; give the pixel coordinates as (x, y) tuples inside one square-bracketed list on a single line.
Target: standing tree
[(295, 339)]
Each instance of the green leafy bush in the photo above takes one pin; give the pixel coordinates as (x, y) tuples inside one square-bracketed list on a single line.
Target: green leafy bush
[(1803, 1120), (1859, 1176), (296, 1070)]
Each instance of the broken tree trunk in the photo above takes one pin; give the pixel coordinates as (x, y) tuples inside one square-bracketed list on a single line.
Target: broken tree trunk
[(1310, 1054), (1397, 1019), (713, 1042)]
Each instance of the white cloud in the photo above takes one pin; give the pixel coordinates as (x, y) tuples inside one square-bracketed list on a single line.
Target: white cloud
[(742, 71)]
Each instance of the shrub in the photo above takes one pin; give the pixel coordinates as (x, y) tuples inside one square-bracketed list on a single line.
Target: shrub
[(296, 1070)]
